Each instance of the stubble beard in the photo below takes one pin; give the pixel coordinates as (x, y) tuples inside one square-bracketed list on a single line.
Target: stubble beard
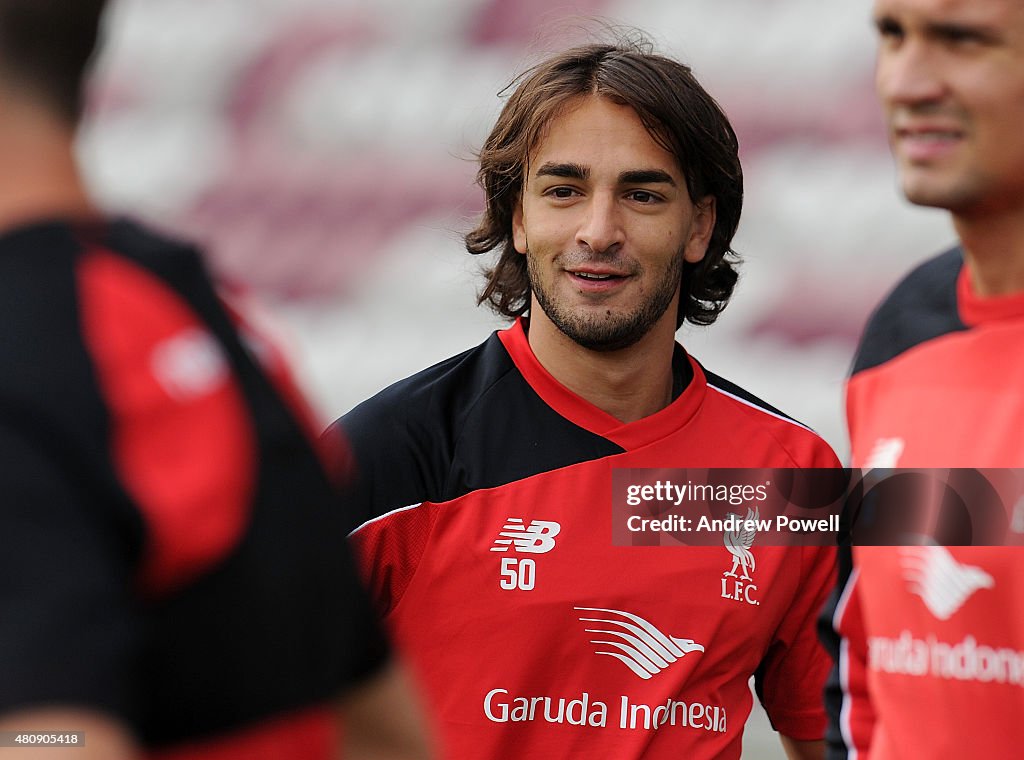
[(958, 196), (610, 331), (971, 196)]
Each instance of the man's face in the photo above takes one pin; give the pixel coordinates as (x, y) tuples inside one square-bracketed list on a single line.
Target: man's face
[(950, 75), (606, 223)]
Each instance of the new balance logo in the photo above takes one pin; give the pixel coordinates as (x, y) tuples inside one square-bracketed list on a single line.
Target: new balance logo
[(635, 642), (943, 583), (885, 454), (536, 538)]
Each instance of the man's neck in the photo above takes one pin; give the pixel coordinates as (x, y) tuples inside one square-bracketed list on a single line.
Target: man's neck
[(629, 384), (39, 178), (994, 251)]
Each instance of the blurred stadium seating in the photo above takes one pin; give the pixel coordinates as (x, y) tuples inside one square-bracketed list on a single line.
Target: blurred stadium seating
[(323, 151)]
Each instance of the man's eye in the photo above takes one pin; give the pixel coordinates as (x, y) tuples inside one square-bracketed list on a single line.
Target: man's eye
[(957, 36), (890, 30), (561, 192), (643, 196)]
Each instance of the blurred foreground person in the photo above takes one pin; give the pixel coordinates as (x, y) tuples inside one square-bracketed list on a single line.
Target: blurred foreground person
[(172, 581), (929, 641), (613, 190)]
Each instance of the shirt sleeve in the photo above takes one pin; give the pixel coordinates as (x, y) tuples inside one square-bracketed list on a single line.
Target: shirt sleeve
[(388, 552), (69, 632), (792, 675), (851, 717)]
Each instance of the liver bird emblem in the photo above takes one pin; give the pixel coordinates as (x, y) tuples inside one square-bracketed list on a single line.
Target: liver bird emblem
[(738, 542)]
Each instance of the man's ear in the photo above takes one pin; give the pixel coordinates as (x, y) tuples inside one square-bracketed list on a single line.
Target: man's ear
[(518, 229), (702, 226)]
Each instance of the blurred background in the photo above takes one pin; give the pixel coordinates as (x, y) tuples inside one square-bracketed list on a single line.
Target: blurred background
[(322, 151)]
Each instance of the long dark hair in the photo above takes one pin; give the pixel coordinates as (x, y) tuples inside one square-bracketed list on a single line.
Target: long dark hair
[(680, 115)]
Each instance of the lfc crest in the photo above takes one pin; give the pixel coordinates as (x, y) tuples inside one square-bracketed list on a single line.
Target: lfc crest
[(738, 542)]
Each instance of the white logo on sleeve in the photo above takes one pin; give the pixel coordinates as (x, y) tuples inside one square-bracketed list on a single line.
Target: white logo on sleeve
[(885, 453), (190, 364), (536, 538), (943, 583), (634, 641)]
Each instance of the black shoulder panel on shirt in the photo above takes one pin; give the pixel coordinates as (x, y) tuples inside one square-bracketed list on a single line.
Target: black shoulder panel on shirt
[(48, 388), (68, 542), (716, 381), (920, 308), (468, 423)]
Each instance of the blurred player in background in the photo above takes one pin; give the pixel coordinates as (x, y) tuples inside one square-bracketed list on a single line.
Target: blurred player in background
[(613, 190), (171, 582), (929, 641)]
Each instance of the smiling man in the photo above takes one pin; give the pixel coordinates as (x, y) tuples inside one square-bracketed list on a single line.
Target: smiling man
[(613, 189), (929, 641)]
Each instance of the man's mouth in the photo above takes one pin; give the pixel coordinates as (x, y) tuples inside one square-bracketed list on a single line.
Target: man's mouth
[(926, 142), (928, 134)]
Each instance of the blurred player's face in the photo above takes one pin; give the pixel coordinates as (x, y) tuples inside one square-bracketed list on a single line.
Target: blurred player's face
[(606, 223), (950, 75)]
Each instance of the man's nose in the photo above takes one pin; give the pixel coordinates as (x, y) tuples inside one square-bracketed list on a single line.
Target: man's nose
[(601, 228)]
